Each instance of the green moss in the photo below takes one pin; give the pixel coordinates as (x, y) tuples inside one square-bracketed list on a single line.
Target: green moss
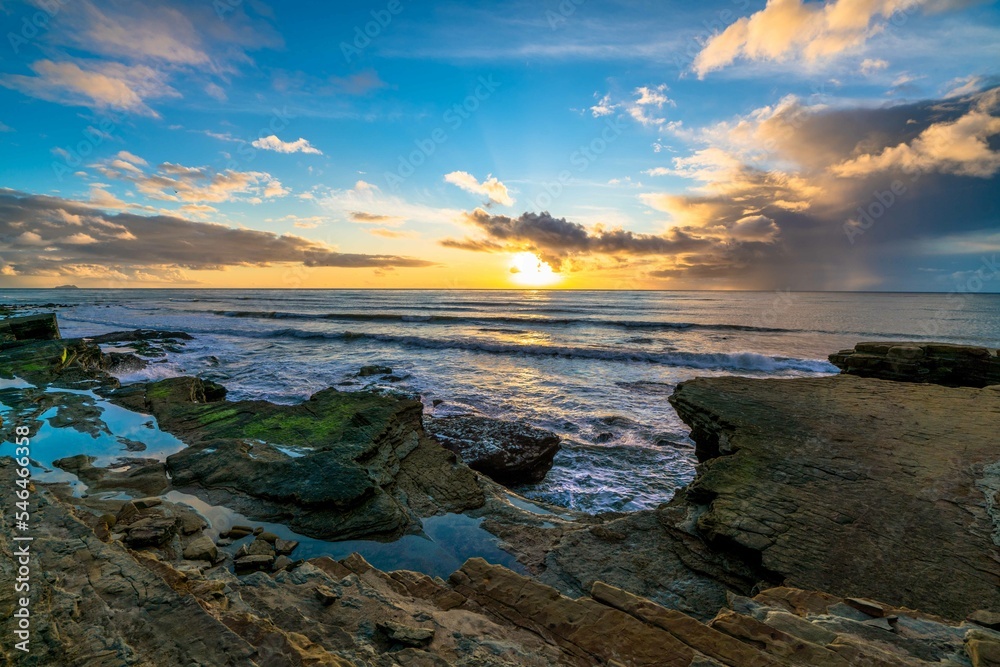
[(301, 429)]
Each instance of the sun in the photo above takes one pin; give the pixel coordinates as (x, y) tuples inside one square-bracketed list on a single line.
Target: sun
[(527, 269)]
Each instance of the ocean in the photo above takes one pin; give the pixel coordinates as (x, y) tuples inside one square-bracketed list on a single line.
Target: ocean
[(596, 368)]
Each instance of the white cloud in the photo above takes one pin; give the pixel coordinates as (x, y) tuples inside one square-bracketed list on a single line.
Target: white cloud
[(273, 143), (647, 100), (795, 29), (5, 128), (870, 66), (194, 185), (99, 85), (491, 188), (960, 147)]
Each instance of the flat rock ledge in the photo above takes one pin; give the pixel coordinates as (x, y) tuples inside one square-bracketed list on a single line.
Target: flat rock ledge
[(854, 486), (937, 363)]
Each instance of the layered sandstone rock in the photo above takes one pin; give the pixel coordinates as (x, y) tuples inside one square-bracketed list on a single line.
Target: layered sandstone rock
[(938, 363), (100, 602), (858, 487)]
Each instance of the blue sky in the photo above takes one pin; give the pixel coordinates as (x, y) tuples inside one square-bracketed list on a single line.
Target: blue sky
[(731, 144)]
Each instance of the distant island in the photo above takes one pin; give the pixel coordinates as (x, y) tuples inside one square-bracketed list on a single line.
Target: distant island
[(65, 287)]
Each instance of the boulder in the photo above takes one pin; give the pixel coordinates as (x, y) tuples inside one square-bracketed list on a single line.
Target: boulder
[(510, 453), (202, 548), (151, 531)]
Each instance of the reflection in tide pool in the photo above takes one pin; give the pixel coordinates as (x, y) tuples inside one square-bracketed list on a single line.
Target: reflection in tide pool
[(448, 541), (81, 422)]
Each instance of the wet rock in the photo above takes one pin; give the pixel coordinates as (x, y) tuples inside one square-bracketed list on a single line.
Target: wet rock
[(267, 537), (202, 548), (30, 327), (508, 452), (364, 466), (285, 547), (282, 563), (368, 371), (124, 363), (938, 363), (237, 532), (146, 503)]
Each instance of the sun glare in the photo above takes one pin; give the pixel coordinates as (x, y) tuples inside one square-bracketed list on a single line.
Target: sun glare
[(526, 268)]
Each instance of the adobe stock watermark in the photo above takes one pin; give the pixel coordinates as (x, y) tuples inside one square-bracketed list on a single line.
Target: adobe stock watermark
[(224, 8), (564, 11), (452, 120), (21, 552), (581, 159), (867, 215), (34, 25), (73, 157), (370, 31)]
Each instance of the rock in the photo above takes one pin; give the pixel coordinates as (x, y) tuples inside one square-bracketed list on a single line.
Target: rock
[(237, 532), (851, 485), (363, 466), (30, 327), (508, 452), (368, 371), (155, 609), (152, 531), (282, 563), (938, 363), (869, 607), (987, 619), (202, 548), (146, 503), (124, 363), (407, 635), (191, 523), (267, 537), (261, 547), (285, 547), (253, 563), (983, 650), (326, 596)]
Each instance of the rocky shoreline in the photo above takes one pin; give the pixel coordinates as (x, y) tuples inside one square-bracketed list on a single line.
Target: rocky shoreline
[(825, 513)]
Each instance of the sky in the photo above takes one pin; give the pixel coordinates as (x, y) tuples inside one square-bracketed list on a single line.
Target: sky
[(586, 144)]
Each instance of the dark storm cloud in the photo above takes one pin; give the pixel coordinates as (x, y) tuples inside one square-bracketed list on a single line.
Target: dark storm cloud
[(855, 198), (558, 239), (42, 235)]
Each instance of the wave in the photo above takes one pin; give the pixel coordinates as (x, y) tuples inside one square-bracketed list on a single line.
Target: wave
[(736, 361), (502, 319)]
